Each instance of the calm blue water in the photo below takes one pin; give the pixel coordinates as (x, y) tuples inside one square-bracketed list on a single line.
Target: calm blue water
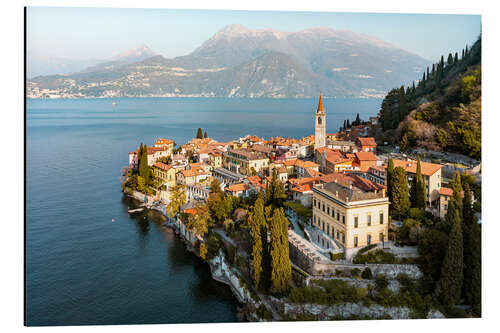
[(83, 267)]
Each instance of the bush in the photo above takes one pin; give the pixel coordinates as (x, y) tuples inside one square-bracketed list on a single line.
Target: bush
[(376, 257), (367, 274), (327, 292), (405, 281), (381, 282), (337, 256), (416, 214), (366, 248), (213, 244), (355, 272)]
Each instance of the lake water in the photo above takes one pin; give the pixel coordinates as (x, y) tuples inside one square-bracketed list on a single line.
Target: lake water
[(87, 260)]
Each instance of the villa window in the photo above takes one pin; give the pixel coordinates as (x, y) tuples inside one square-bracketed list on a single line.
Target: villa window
[(328, 210), (333, 213), (343, 239), (369, 219), (314, 202), (381, 218), (368, 239), (338, 234), (338, 216), (323, 206), (355, 221), (327, 229), (356, 241), (343, 219), (314, 219)]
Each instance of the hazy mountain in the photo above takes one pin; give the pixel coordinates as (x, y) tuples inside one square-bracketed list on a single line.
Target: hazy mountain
[(243, 62), (46, 64)]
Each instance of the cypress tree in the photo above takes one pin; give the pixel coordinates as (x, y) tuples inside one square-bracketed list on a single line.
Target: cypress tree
[(278, 192), (348, 125), (399, 188), (413, 87), (390, 173), (258, 222), (205, 135), (456, 185), (455, 61), (472, 273), (199, 134), (449, 62), (433, 71), (143, 165), (428, 72), (281, 270), (358, 120), (463, 54), (467, 212), (417, 193), (466, 50), (450, 284), (403, 108)]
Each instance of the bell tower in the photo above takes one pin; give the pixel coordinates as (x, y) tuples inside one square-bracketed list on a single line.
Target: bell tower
[(320, 126)]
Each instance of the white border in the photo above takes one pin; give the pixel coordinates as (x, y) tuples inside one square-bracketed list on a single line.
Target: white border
[(12, 108)]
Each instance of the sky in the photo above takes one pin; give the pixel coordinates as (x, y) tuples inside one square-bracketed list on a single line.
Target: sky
[(102, 33)]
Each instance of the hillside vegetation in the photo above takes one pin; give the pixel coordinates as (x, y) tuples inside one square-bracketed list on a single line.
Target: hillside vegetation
[(443, 111)]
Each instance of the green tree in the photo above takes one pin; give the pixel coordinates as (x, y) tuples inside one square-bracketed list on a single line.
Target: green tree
[(450, 283), (403, 107), (432, 246), (399, 188), (405, 142), (177, 199), (281, 270), (257, 229), (278, 190), (203, 251), (199, 134), (449, 62), (198, 222), (219, 205), (456, 185), (417, 191), (205, 135)]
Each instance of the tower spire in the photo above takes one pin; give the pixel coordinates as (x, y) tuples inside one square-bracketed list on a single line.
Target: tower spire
[(320, 104)]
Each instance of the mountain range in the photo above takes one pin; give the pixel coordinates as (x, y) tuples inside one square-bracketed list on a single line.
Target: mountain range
[(242, 62)]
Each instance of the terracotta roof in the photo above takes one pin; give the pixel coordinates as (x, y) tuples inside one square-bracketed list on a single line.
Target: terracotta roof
[(378, 168), (282, 170), (190, 211), (302, 188), (448, 192), (240, 187), (194, 171), (428, 169), (162, 166), (248, 154), (366, 156), (351, 179), (369, 141), (162, 141), (306, 164)]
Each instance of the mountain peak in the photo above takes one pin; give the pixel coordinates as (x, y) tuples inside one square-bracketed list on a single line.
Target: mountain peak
[(141, 51)]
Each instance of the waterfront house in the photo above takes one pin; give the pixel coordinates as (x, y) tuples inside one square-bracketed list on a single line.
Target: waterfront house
[(164, 173), (350, 216)]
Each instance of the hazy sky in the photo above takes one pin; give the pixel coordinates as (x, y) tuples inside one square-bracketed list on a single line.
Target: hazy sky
[(102, 33)]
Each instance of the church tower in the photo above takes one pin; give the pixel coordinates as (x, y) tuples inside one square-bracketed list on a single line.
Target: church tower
[(320, 126)]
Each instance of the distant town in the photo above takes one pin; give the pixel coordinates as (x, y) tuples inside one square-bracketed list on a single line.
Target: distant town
[(284, 220)]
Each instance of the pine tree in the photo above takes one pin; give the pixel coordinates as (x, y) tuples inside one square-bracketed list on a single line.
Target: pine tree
[(258, 222), (281, 270), (450, 284), (199, 134), (399, 187), (390, 173), (417, 191), (472, 273)]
